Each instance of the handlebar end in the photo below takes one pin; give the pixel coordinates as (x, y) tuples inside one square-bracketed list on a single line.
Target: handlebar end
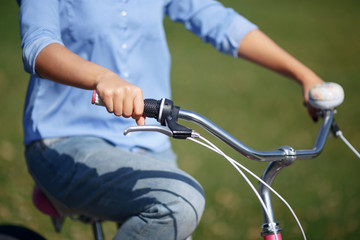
[(96, 99)]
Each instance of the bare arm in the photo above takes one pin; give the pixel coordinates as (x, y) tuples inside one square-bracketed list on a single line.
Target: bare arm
[(259, 48), (57, 63)]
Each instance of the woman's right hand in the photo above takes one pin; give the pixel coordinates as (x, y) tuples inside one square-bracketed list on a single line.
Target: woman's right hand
[(121, 97)]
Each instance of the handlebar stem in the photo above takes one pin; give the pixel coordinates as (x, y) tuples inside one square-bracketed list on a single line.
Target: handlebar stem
[(268, 177)]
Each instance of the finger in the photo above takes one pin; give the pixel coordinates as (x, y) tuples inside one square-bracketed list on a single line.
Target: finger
[(138, 105), (312, 111), (140, 121), (107, 100), (128, 107), (118, 103)]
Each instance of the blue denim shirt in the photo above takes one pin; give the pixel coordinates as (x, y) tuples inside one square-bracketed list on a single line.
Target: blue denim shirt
[(125, 36)]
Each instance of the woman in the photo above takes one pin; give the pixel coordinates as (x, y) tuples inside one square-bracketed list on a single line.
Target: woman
[(75, 151)]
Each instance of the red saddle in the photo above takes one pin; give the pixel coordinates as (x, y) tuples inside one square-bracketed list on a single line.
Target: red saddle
[(43, 204)]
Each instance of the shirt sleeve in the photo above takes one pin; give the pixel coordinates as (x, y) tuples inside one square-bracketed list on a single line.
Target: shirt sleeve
[(212, 22), (39, 27)]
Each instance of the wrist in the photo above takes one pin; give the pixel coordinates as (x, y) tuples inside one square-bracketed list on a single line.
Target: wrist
[(307, 78), (103, 75)]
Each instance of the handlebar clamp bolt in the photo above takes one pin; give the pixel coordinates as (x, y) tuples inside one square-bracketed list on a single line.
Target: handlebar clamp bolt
[(290, 155)]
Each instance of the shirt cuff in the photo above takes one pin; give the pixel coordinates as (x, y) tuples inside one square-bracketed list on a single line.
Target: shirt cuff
[(235, 33), (32, 50)]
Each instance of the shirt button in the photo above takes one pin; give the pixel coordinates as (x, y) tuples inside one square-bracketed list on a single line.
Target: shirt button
[(124, 45), (126, 74), (123, 13)]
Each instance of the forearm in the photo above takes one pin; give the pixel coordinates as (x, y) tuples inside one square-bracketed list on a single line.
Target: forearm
[(57, 63), (259, 48)]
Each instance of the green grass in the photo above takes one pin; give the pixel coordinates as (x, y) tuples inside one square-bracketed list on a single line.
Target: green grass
[(262, 109)]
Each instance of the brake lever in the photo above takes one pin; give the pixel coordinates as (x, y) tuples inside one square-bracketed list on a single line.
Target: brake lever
[(149, 128), (160, 129)]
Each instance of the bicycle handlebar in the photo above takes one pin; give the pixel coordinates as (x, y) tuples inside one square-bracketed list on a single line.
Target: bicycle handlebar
[(281, 153), (325, 96), (161, 109)]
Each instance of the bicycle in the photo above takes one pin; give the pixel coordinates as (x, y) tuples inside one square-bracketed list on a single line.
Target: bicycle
[(326, 97)]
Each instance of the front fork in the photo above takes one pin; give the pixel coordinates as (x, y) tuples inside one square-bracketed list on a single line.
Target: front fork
[(268, 177)]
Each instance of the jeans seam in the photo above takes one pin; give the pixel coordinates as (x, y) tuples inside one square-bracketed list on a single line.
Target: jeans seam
[(144, 230)]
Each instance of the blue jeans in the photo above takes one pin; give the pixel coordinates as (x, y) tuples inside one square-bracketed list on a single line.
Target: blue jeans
[(145, 191)]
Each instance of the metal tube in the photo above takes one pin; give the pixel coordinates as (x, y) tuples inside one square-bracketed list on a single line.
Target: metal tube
[(250, 153), (269, 176), (97, 230), (229, 139), (328, 117)]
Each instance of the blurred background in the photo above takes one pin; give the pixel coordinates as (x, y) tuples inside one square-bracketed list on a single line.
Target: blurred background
[(262, 109)]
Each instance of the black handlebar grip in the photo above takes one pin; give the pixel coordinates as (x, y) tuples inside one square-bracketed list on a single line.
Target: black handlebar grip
[(152, 108)]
